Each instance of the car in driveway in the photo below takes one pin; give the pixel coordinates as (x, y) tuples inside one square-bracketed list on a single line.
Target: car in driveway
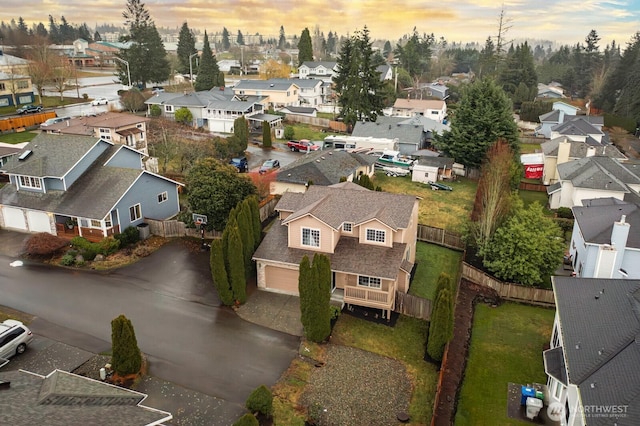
[(240, 163), (100, 101), (269, 166), (14, 338), (29, 109)]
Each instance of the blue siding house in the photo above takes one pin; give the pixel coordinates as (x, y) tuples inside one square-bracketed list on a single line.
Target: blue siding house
[(70, 185)]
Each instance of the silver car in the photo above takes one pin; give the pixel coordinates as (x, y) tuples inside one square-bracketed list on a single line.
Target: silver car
[(14, 338)]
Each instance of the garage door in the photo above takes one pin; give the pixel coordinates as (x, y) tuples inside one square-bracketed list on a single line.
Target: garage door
[(14, 218), (282, 280), (38, 222)]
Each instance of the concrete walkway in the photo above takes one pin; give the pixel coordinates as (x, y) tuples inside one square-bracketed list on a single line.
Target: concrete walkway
[(276, 311)]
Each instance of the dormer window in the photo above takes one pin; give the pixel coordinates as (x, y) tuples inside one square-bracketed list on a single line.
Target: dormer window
[(347, 227), (376, 235), (310, 237), (30, 182)]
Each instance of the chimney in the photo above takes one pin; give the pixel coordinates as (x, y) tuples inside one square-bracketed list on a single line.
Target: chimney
[(591, 151), (620, 233)]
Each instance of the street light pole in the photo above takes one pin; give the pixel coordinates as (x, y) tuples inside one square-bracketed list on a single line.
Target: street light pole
[(128, 71), (191, 68)]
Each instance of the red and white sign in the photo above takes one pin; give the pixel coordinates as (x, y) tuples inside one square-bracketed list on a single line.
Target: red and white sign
[(533, 171)]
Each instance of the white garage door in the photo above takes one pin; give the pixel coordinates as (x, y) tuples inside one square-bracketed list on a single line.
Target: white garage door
[(38, 222), (281, 279), (14, 218)]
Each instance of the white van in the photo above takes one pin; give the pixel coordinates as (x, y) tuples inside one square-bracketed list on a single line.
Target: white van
[(14, 338)]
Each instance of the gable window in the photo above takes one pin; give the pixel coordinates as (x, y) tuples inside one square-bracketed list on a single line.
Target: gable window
[(310, 237), (371, 282), (376, 235), (135, 213), (347, 227), (30, 182), (162, 197)]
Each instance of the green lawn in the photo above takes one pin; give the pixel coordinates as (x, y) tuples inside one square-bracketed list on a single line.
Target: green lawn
[(529, 148), (303, 131), (406, 343), (18, 137), (433, 260), (506, 346)]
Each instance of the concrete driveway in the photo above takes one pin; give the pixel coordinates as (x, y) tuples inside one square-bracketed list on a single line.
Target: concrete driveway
[(12, 243)]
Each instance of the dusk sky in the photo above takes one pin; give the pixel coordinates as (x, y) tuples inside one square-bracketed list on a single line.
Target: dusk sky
[(566, 22)]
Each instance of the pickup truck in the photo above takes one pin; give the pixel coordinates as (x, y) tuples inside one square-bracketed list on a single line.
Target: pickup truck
[(302, 145)]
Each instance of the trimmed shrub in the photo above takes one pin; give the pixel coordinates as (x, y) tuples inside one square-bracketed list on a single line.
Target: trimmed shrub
[(126, 357), (261, 401), (108, 245), (247, 420), (441, 325), (128, 237), (44, 244), (289, 132), (68, 260), (155, 111), (564, 212)]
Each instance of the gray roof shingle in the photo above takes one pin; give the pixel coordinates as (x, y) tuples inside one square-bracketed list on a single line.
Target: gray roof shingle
[(596, 221), (323, 167), (390, 128), (598, 172), (580, 149)]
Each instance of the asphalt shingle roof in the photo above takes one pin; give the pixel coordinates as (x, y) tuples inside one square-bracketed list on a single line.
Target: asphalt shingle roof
[(390, 128), (598, 172), (580, 149), (63, 399), (323, 167), (266, 85), (596, 222), (599, 324), (578, 125)]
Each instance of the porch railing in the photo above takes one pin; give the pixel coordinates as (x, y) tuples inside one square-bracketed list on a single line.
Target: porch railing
[(370, 297)]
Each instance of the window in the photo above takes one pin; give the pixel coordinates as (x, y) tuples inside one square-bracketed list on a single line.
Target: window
[(347, 227), (23, 84), (104, 130), (558, 391), (3, 87), (96, 223), (162, 197), (371, 282), (310, 237), (30, 182), (107, 220), (375, 235), (135, 213), (168, 108)]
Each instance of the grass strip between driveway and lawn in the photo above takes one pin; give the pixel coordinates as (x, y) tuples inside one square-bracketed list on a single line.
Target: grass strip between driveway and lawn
[(506, 346)]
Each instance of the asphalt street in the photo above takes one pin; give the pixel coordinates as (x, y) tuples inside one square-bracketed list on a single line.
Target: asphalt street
[(189, 339)]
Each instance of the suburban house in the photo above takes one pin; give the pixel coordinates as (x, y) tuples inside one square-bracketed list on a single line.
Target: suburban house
[(410, 137), (61, 398), (593, 177), (322, 168), (554, 117), (12, 64), (321, 70), (70, 185), (15, 89), (550, 91), (562, 150), (7, 151), (592, 364), (81, 56), (430, 108), (605, 242), (436, 90), (295, 110), (278, 92), (104, 52), (117, 127), (386, 72), (432, 169), (584, 128), (369, 237), (310, 91)]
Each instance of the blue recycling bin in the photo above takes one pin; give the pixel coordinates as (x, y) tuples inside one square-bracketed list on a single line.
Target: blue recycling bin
[(527, 393)]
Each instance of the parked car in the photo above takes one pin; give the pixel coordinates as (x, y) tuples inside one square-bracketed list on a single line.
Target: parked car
[(29, 109), (55, 120), (14, 338), (240, 163), (100, 101), (157, 89), (439, 186), (269, 166), (302, 145)]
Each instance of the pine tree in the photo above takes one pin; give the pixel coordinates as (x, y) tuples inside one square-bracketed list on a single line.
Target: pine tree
[(241, 131), (219, 273), (186, 48), (255, 219), (266, 134), (322, 329), (236, 266), (441, 325), (208, 70), (240, 38), (125, 354), (282, 41), (305, 47), (226, 44)]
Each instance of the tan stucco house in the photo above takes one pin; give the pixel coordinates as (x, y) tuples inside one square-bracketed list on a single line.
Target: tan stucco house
[(369, 237)]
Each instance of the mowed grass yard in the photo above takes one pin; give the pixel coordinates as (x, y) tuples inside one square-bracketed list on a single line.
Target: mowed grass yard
[(441, 209), (433, 260), (506, 346)]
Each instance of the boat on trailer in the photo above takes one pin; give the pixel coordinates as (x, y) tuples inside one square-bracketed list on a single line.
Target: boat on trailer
[(394, 159)]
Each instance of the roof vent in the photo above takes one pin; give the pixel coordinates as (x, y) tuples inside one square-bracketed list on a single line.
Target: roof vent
[(578, 345), (25, 155)]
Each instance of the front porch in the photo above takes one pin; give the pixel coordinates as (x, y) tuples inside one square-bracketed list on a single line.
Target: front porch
[(92, 234)]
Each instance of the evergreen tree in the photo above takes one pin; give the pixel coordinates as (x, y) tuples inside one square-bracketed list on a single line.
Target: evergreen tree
[(305, 47), (255, 219), (483, 116), (226, 43), (358, 82), (331, 43), (236, 266), (240, 38), (519, 70), (282, 41), (266, 134), (365, 181), (445, 281), (441, 325), (96, 36), (305, 292), (415, 55), (260, 401), (247, 419), (186, 48), (219, 273), (322, 326), (208, 70), (125, 354), (241, 131), (246, 233)]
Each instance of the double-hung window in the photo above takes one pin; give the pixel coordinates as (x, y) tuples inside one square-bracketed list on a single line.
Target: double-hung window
[(30, 182), (310, 237), (162, 197), (135, 213)]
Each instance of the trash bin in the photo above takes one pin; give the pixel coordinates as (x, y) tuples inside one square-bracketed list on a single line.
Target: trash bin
[(527, 392), (540, 395), (534, 405), (143, 231)]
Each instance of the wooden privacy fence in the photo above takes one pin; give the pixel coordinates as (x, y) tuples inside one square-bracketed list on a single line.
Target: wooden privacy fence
[(413, 306), (440, 236), (29, 120), (508, 291), (175, 228), (525, 186)]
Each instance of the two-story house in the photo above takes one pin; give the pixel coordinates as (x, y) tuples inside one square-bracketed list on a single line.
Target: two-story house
[(120, 128), (592, 364), (311, 91), (278, 92), (559, 111), (70, 185), (15, 89), (369, 237), (319, 70), (605, 242), (430, 108), (322, 168)]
